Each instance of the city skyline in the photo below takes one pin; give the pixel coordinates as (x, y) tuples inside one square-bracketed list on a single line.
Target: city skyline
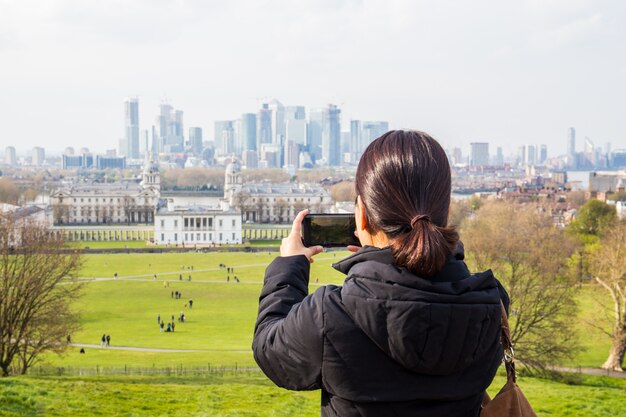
[(507, 74)]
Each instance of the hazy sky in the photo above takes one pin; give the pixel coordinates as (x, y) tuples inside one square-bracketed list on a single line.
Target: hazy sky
[(506, 72)]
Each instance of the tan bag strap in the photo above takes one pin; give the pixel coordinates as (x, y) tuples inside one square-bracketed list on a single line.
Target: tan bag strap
[(507, 346)]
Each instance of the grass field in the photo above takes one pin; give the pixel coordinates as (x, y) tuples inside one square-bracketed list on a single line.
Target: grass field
[(248, 394), (219, 331)]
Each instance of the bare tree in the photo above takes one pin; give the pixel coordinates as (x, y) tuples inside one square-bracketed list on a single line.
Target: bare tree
[(608, 267), (343, 191), (529, 255), (241, 201), (37, 287), (260, 206), (281, 208)]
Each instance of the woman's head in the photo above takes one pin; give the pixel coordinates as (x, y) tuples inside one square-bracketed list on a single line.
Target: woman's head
[(403, 180)]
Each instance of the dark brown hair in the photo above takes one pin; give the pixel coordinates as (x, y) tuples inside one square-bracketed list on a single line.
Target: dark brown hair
[(403, 179)]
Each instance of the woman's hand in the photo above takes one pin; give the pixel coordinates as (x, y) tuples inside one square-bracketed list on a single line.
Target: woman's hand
[(292, 245)]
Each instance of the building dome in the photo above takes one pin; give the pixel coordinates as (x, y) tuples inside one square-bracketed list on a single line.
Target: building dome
[(233, 167)]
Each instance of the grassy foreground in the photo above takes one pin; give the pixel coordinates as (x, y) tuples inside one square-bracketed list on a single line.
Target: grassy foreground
[(250, 394), (218, 333)]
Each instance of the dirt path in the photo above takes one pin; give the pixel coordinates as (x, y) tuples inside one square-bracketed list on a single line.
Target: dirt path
[(157, 350)]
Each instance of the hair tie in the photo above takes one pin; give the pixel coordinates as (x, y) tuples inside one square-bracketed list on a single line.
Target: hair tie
[(419, 217)]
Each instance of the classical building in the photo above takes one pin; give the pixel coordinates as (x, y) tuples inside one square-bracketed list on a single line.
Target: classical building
[(272, 202), (197, 225), (121, 202)]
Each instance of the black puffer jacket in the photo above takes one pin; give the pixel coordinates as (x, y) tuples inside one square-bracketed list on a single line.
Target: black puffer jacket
[(387, 343)]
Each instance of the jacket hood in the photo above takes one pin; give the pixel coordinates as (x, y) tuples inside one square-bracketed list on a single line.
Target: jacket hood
[(432, 326)]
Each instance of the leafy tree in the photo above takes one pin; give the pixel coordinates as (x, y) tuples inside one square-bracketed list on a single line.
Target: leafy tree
[(593, 218), (529, 255), (607, 265), (35, 313)]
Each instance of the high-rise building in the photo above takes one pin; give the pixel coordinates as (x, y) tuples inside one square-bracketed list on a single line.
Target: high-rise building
[(82, 161), (479, 153), (543, 154), (457, 156), (355, 141), (278, 122), (170, 129), (195, 140), (110, 162), (331, 136), (248, 132), (131, 129), (314, 133), (371, 131), (530, 155), (499, 156), (589, 152), (295, 131), (38, 156), (264, 126), (295, 128), (571, 142), (10, 157), (69, 151), (145, 145), (224, 137), (295, 113)]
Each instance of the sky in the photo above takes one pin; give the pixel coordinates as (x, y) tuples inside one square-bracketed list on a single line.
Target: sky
[(504, 72)]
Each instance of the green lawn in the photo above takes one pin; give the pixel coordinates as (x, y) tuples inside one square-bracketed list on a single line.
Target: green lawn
[(222, 320), (220, 323), (220, 326), (247, 394)]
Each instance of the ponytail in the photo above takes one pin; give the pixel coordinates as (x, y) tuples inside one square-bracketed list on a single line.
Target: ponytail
[(424, 248), (402, 173)]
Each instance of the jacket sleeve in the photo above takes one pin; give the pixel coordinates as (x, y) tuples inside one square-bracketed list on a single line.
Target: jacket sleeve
[(288, 336)]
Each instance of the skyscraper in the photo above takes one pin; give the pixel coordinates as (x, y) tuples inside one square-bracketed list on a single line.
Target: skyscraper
[(10, 157), (499, 156), (355, 141), (543, 153), (331, 136), (571, 142), (278, 122), (169, 129), (131, 128), (38, 156), (224, 137), (314, 133), (531, 155), (479, 153), (248, 132), (264, 126), (195, 140), (372, 130)]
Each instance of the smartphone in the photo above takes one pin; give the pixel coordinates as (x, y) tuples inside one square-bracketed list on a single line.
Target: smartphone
[(329, 230)]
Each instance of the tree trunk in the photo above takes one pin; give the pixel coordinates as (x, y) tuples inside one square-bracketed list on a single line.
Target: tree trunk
[(616, 355)]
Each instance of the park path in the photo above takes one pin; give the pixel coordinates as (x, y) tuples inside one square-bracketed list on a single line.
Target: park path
[(150, 276), (587, 371), (590, 371), (156, 350)]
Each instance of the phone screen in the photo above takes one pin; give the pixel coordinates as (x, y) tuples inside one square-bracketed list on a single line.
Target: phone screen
[(329, 230)]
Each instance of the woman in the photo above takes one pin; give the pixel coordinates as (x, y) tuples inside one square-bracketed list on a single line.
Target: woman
[(411, 332)]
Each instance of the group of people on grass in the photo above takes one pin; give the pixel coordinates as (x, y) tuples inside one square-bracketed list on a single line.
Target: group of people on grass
[(105, 340), (170, 326)]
